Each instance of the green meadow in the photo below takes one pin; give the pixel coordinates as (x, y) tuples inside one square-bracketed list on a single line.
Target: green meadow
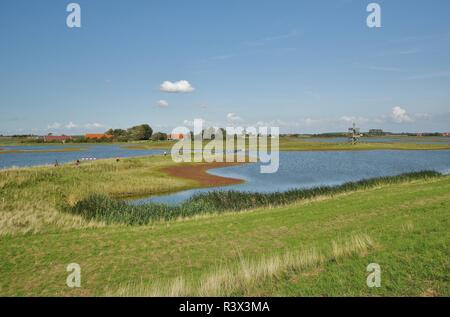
[(294, 144), (303, 144), (315, 244), (286, 144)]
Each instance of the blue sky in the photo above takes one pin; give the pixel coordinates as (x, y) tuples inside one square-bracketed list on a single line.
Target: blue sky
[(305, 66)]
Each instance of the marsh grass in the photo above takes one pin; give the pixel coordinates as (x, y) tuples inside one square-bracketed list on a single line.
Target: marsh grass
[(30, 198), (103, 208), (242, 277)]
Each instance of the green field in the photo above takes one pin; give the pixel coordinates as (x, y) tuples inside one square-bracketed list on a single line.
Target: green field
[(294, 144), (303, 144), (319, 246), (286, 144)]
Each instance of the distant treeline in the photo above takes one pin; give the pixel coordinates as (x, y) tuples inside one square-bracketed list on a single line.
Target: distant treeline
[(136, 133), (145, 132)]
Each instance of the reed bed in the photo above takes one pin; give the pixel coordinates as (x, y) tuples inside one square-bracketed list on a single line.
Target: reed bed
[(103, 208)]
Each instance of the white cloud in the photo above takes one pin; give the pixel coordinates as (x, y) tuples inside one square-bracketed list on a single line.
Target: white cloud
[(94, 125), (233, 117), (351, 119), (70, 125), (190, 123), (181, 86), (162, 103), (311, 121), (400, 115), (274, 123), (54, 125), (347, 119)]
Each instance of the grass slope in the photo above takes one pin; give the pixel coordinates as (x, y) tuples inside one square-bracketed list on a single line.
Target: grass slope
[(403, 227)]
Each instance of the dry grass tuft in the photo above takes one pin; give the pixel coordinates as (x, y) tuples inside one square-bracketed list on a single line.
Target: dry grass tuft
[(408, 226), (356, 245), (239, 279)]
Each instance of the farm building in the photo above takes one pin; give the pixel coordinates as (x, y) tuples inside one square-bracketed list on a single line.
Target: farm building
[(91, 136), (56, 138)]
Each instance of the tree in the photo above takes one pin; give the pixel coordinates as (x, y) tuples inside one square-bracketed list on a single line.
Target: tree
[(159, 136), (116, 132), (140, 132)]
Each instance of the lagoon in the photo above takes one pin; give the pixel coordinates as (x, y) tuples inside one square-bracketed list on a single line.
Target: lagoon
[(298, 169), (311, 169), (25, 159)]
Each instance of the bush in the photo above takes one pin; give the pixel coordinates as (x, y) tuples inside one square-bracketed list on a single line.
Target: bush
[(159, 136)]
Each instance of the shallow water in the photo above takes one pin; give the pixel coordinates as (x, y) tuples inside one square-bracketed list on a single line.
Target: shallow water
[(312, 169), (9, 160)]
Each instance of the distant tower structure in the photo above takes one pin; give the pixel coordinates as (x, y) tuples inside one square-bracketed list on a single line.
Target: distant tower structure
[(354, 134)]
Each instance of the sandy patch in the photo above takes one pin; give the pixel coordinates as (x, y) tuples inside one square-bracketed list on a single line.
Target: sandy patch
[(198, 173)]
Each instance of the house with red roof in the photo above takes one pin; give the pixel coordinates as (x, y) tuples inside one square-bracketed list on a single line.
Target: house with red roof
[(57, 138), (91, 136)]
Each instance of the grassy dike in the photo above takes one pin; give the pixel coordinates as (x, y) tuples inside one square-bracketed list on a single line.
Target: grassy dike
[(319, 246)]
